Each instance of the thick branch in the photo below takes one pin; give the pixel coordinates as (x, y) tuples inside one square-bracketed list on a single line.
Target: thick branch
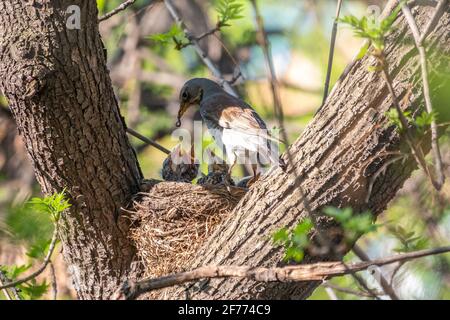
[(336, 159)]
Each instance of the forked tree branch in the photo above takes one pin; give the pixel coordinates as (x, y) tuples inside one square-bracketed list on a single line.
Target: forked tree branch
[(312, 272), (387, 288), (115, 11), (202, 54)]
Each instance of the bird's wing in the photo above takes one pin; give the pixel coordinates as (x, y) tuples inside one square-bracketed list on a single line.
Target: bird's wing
[(230, 113)]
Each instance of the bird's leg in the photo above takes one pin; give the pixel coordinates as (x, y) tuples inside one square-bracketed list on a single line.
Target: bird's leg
[(233, 159), (255, 177)]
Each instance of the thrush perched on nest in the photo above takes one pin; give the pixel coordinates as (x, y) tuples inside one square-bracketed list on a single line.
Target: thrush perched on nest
[(180, 165), (235, 126)]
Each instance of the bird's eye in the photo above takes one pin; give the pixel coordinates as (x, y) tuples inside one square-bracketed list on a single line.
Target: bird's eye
[(184, 95)]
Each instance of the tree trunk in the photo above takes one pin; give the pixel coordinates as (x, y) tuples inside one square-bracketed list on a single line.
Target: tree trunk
[(61, 97), (338, 156)]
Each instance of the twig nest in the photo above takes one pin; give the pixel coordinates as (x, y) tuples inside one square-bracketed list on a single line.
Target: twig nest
[(180, 165), (172, 220)]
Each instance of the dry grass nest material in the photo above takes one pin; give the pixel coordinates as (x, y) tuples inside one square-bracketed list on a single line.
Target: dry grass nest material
[(172, 220)]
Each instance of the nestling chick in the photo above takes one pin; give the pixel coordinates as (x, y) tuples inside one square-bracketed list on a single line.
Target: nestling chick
[(180, 165)]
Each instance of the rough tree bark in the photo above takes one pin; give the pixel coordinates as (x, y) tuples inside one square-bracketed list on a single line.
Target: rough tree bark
[(337, 156), (61, 97)]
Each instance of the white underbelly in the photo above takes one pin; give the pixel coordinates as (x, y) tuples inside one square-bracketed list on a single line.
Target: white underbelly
[(237, 141)]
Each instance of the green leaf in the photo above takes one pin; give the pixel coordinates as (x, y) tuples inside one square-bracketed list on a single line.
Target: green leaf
[(174, 33), (394, 118), (33, 290), (425, 119), (304, 227), (228, 10), (362, 52), (281, 236), (39, 249), (387, 23), (12, 272), (53, 205), (341, 215), (353, 225), (101, 5), (294, 254), (373, 32)]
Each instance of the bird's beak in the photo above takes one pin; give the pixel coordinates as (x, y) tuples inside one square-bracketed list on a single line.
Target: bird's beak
[(183, 107)]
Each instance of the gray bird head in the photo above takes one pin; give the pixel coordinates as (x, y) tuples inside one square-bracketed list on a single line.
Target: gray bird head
[(193, 92)]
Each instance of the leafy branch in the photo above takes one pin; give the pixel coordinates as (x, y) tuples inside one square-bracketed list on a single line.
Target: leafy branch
[(419, 41), (194, 42), (52, 205), (227, 10), (296, 242), (375, 33)]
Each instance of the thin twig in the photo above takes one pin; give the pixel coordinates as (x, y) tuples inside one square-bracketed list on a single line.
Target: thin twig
[(394, 273), (331, 53), (207, 33), (41, 268), (120, 8), (278, 108), (147, 140), (433, 21), (390, 6), (194, 42), (330, 292), (296, 273), (387, 288), (363, 284), (3, 280), (54, 281), (440, 177)]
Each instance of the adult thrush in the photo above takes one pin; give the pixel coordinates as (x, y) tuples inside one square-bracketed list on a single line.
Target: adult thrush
[(235, 126)]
